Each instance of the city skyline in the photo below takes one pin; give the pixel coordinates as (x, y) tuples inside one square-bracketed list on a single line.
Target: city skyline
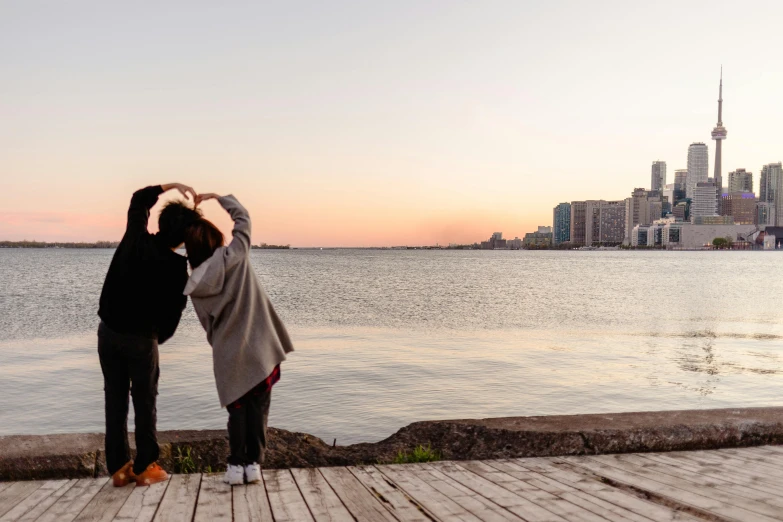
[(373, 128)]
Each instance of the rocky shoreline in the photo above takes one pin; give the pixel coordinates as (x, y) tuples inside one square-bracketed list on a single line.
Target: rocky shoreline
[(26, 457)]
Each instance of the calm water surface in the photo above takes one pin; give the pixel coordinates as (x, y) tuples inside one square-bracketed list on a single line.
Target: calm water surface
[(385, 338)]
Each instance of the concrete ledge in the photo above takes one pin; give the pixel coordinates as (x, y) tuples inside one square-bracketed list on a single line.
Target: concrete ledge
[(24, 457)]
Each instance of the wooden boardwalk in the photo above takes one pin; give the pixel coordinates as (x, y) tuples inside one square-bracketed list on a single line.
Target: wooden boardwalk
[(731, 484)]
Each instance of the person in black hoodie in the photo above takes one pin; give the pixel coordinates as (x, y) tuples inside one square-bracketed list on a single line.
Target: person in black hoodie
[(140, 307)]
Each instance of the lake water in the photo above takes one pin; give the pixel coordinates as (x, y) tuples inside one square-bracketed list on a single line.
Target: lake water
[(386, 338)]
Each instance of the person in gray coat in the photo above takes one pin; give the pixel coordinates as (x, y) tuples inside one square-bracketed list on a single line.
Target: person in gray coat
[(248, 339)]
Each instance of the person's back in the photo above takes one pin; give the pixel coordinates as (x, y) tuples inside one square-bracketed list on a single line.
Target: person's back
[(249, 341), (140, 307)]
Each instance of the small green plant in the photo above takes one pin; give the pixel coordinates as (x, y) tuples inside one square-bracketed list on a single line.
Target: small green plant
[(419, 454), (183, 461)]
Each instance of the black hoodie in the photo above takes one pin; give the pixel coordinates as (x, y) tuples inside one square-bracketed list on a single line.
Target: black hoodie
[(142, 293)]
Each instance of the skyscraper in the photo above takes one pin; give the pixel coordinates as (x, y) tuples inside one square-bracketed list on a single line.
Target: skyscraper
[(740, 180), (658, 178), (698, 167), (705, 200), (561, 230), (719, 134), (680, 182), (768, 182)]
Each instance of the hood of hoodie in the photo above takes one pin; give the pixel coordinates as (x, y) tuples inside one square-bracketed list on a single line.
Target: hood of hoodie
[(208, 279)]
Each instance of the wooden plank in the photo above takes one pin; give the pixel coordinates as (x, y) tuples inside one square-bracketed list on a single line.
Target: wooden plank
[(105, 504), (68, 506), (587, 485), (179, 500), (744, 498), (35, 499), (214, 500), (394, 499), (730, 481), (4, 485), (46, 503), (697, 497), (323, 502), (285, 499), (447, 506), (142, 503), (536, 495), (727, 462), (16, 493), (251, 504), (363, 505)]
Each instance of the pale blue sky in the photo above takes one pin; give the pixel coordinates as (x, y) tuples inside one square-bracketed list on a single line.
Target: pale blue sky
[(369, 123)]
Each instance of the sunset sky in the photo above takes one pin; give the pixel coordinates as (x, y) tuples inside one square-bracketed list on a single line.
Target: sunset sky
[(371, 123)]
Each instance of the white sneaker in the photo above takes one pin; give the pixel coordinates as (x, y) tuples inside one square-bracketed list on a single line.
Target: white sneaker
[(234, 476), (253, 473)]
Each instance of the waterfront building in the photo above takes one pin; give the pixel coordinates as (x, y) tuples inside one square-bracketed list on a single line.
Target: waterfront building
[(698, 167), (561, 224), (658, 177), (540, 239), (611, 222), (693, 237), (495, 242), (740, 180), (514, 244), (642, 208), (578, 222), (719, 134), (639, 235), (739, 205), (765, 214), (705, 200)]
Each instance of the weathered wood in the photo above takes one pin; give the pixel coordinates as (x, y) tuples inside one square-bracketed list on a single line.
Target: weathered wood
[(285, 500), (700, 498), (214, 500), (323, 502), (588, 485), (4, 485), (446, 506), (142, 503), (711, 490), (179, 500), (717, 481), (360, 502), (251, 504), (46, 503), (16, 493), (394, 499), (106, 504), (709, 472), (33, 500), (68, 506), (543, 500)]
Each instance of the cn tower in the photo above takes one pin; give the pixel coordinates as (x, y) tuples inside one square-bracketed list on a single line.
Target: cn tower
[(719, 134)]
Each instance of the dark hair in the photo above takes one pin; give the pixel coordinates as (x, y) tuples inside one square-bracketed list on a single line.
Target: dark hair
[(175, 217), (202, 238)]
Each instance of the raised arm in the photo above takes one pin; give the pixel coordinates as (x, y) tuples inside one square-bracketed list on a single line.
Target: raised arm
[(144, 199), (240, 244), (139, 211)]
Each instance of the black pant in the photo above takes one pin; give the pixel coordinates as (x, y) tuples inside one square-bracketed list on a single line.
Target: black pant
[(129, 364), (247, 419)]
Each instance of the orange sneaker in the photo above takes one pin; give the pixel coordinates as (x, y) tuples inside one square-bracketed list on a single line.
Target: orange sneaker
[(152, 475), (124, 475)]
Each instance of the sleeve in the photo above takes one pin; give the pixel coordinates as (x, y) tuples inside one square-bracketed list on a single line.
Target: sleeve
[(139, 211), (240, 244), (171, 307)]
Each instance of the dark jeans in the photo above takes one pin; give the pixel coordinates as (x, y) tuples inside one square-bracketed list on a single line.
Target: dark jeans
[(130, 365), (247, 419)]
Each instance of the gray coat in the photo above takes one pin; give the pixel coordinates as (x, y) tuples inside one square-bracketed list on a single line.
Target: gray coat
[(248, 338)]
